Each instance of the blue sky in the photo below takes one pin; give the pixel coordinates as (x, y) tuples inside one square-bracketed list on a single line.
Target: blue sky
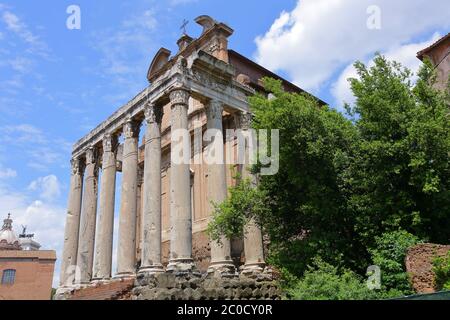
[(57, 84)]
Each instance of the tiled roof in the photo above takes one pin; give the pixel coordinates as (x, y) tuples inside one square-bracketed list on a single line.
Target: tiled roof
[(421, 53)]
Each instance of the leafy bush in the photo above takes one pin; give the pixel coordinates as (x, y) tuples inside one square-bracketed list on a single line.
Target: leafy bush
[(245, 202), (441, 269), (323, 281), (389, 255)]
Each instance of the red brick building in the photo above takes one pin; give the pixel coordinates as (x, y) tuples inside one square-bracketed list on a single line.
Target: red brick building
[(24, 274)]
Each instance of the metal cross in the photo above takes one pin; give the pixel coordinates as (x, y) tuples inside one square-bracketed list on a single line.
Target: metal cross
[(183, 25)]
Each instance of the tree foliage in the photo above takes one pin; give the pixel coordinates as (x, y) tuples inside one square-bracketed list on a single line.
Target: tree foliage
[(323, 281), (399, 175), (389, 255), (441, 269), (347, 185)]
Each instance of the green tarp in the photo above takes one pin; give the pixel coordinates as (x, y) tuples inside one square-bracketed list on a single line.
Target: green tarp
[(443, 295)]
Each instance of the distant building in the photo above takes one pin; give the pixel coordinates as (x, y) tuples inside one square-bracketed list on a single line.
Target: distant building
[(439, 54), (26, 273)]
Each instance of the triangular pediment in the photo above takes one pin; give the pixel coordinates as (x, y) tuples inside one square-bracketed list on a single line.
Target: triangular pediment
[(158, 62)]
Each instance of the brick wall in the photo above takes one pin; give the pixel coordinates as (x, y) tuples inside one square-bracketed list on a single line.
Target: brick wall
[(34, 274)]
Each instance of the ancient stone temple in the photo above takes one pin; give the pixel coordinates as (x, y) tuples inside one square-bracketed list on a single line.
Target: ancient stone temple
[(164, 205)]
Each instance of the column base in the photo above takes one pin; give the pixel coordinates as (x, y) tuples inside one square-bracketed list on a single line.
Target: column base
[(181, 265), (224, 268), (81, 285), (257, 271), (124, 276), (153, 269), (63, 290), (251, 268), (97, 281)]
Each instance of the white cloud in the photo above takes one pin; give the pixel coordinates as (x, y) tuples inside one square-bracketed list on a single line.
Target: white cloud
[(133, 41), (7, 173), (22, 133), (43, 219), (41, 149), (319, 37), (181, 2), (14, 24), (48, 187), (405, 54), (20, 64)]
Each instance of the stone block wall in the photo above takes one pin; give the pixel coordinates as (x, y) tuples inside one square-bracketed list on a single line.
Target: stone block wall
[(197, 286), (419, 265)]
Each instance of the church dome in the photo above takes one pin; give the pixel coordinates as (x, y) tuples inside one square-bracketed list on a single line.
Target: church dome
[(8, 239)]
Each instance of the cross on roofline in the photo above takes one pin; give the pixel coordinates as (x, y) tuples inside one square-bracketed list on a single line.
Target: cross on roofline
[(183, 25)]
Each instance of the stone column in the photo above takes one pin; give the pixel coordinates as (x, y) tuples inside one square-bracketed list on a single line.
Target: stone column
[(104, 240), (180, 184), (85, 256), (151, 217), (127, 221), (253, 241), (217, 184), (69, 258), (140, 182)]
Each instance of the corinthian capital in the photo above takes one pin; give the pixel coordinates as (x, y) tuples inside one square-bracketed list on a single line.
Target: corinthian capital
[(77, 166), (90, 155), (152, 113), (130, 129), (109, 142), (179, 96)]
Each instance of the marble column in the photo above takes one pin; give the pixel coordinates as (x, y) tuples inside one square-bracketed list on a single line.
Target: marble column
[(180, 184), (104, 239), (69, 258), (217, 184), (139, 207), (151, 218), (85, 256), (126, 264), (253, 241)]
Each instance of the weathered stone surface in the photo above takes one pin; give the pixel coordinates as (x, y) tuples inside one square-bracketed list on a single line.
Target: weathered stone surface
[(69, 257), (126, 248), (151, 230), (169, 286), (85, 257), (419, 265)]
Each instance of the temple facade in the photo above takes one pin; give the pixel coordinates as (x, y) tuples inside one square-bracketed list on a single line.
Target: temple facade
[(165, 204)]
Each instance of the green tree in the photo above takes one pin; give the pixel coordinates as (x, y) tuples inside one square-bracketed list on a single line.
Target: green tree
[(400, 172), (389, 254), (301, 207), (441, 269), (323, 281), (344, 183)]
